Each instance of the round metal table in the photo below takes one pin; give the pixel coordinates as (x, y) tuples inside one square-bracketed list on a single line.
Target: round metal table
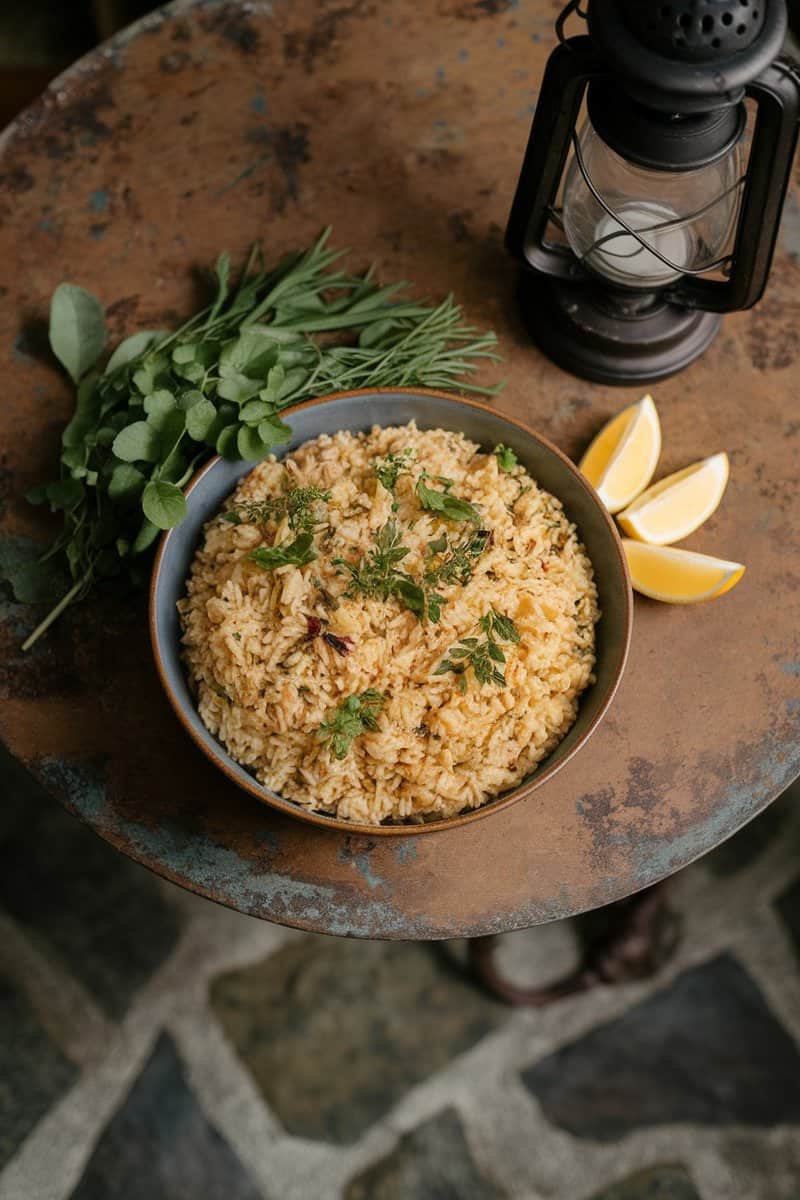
[(209, 125)]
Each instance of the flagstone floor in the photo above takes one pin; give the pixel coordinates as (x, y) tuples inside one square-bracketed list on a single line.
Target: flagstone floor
[(156, 1047)]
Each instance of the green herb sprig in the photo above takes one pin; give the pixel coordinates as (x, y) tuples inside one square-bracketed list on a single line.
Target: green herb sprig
[(485, 658), (452, 507), (295, 554), (167, 400), (457, 560), (301, 505), (354, 716), (506, 458), (377, 575), (395, 464)]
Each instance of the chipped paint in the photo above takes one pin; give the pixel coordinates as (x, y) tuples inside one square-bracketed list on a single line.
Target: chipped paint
[(99, 201), (205, 866), (360, 859), (407, 852)]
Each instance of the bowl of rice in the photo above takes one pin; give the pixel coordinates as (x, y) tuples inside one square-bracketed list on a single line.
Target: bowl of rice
[(408, 618)]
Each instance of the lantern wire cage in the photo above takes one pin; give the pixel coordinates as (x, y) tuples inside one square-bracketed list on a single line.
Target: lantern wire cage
[(625, 230)]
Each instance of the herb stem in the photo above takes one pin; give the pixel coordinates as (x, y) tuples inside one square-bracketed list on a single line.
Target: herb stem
[(56, 612)]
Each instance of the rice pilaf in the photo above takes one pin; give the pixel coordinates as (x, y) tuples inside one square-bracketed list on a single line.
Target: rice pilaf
[(430, 653)]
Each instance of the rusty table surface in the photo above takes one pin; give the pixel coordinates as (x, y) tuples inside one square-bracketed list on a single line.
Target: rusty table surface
[(209, 125)]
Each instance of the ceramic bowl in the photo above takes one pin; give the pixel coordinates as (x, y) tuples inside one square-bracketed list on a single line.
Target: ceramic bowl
[(357, 411)]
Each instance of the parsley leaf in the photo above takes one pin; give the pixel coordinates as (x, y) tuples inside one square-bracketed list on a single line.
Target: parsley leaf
[(449, 506), (481, 656), (296, 553), (506, 458), (376, 573), (459, 558), (395, 464), (354, 716)]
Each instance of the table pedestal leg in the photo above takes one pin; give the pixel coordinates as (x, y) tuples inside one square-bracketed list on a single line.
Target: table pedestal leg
[(638, 937)]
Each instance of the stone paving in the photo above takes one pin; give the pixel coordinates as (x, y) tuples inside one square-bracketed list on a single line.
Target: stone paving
[(156, 1047)]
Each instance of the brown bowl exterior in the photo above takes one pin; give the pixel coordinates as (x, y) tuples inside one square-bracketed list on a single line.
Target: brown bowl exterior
[(216, 753)]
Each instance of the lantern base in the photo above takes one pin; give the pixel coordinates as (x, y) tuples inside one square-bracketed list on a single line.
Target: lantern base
[(613, 337)]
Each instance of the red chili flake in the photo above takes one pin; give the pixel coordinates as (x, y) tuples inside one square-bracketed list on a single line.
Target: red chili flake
[(342, 646), (545, 566), (314, 627)]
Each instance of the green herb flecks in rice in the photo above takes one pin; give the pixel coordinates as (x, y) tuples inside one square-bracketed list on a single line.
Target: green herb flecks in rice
[(354, 716)]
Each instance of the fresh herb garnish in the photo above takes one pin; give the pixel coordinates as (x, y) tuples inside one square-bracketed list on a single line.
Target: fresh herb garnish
[(506, 458), (377, 575), (354, 716), (395, 464), (166, 401), (459, 558), (296, 553), (449, 506), (482, 656), (302, 506)]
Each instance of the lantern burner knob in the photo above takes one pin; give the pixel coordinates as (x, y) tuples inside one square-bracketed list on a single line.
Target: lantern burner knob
[(706, 31)]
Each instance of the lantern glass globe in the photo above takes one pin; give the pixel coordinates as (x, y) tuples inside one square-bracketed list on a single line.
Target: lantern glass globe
[(688, 217)]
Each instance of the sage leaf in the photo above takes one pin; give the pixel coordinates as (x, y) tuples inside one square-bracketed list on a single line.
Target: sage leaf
[(137, 443), (77, 329), (163, 503), (133, 347)]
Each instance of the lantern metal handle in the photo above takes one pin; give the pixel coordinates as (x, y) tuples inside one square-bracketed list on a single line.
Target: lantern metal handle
[(571, 66), (777, 94)]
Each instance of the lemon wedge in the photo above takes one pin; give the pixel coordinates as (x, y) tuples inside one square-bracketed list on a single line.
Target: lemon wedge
[(621, 460), (674, 507), (678, 576)]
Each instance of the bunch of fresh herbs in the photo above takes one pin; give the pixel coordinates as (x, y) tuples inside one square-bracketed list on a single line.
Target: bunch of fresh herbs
[(166, 401)]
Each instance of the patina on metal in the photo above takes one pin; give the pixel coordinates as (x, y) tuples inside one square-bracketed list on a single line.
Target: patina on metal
[(211, 124)]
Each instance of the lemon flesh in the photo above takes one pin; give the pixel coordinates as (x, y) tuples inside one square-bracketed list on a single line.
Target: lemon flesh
[(622, 459), (678, 576), (674, 507)]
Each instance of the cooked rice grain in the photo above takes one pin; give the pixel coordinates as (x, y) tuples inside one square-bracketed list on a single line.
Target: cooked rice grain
[(263, 687)]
